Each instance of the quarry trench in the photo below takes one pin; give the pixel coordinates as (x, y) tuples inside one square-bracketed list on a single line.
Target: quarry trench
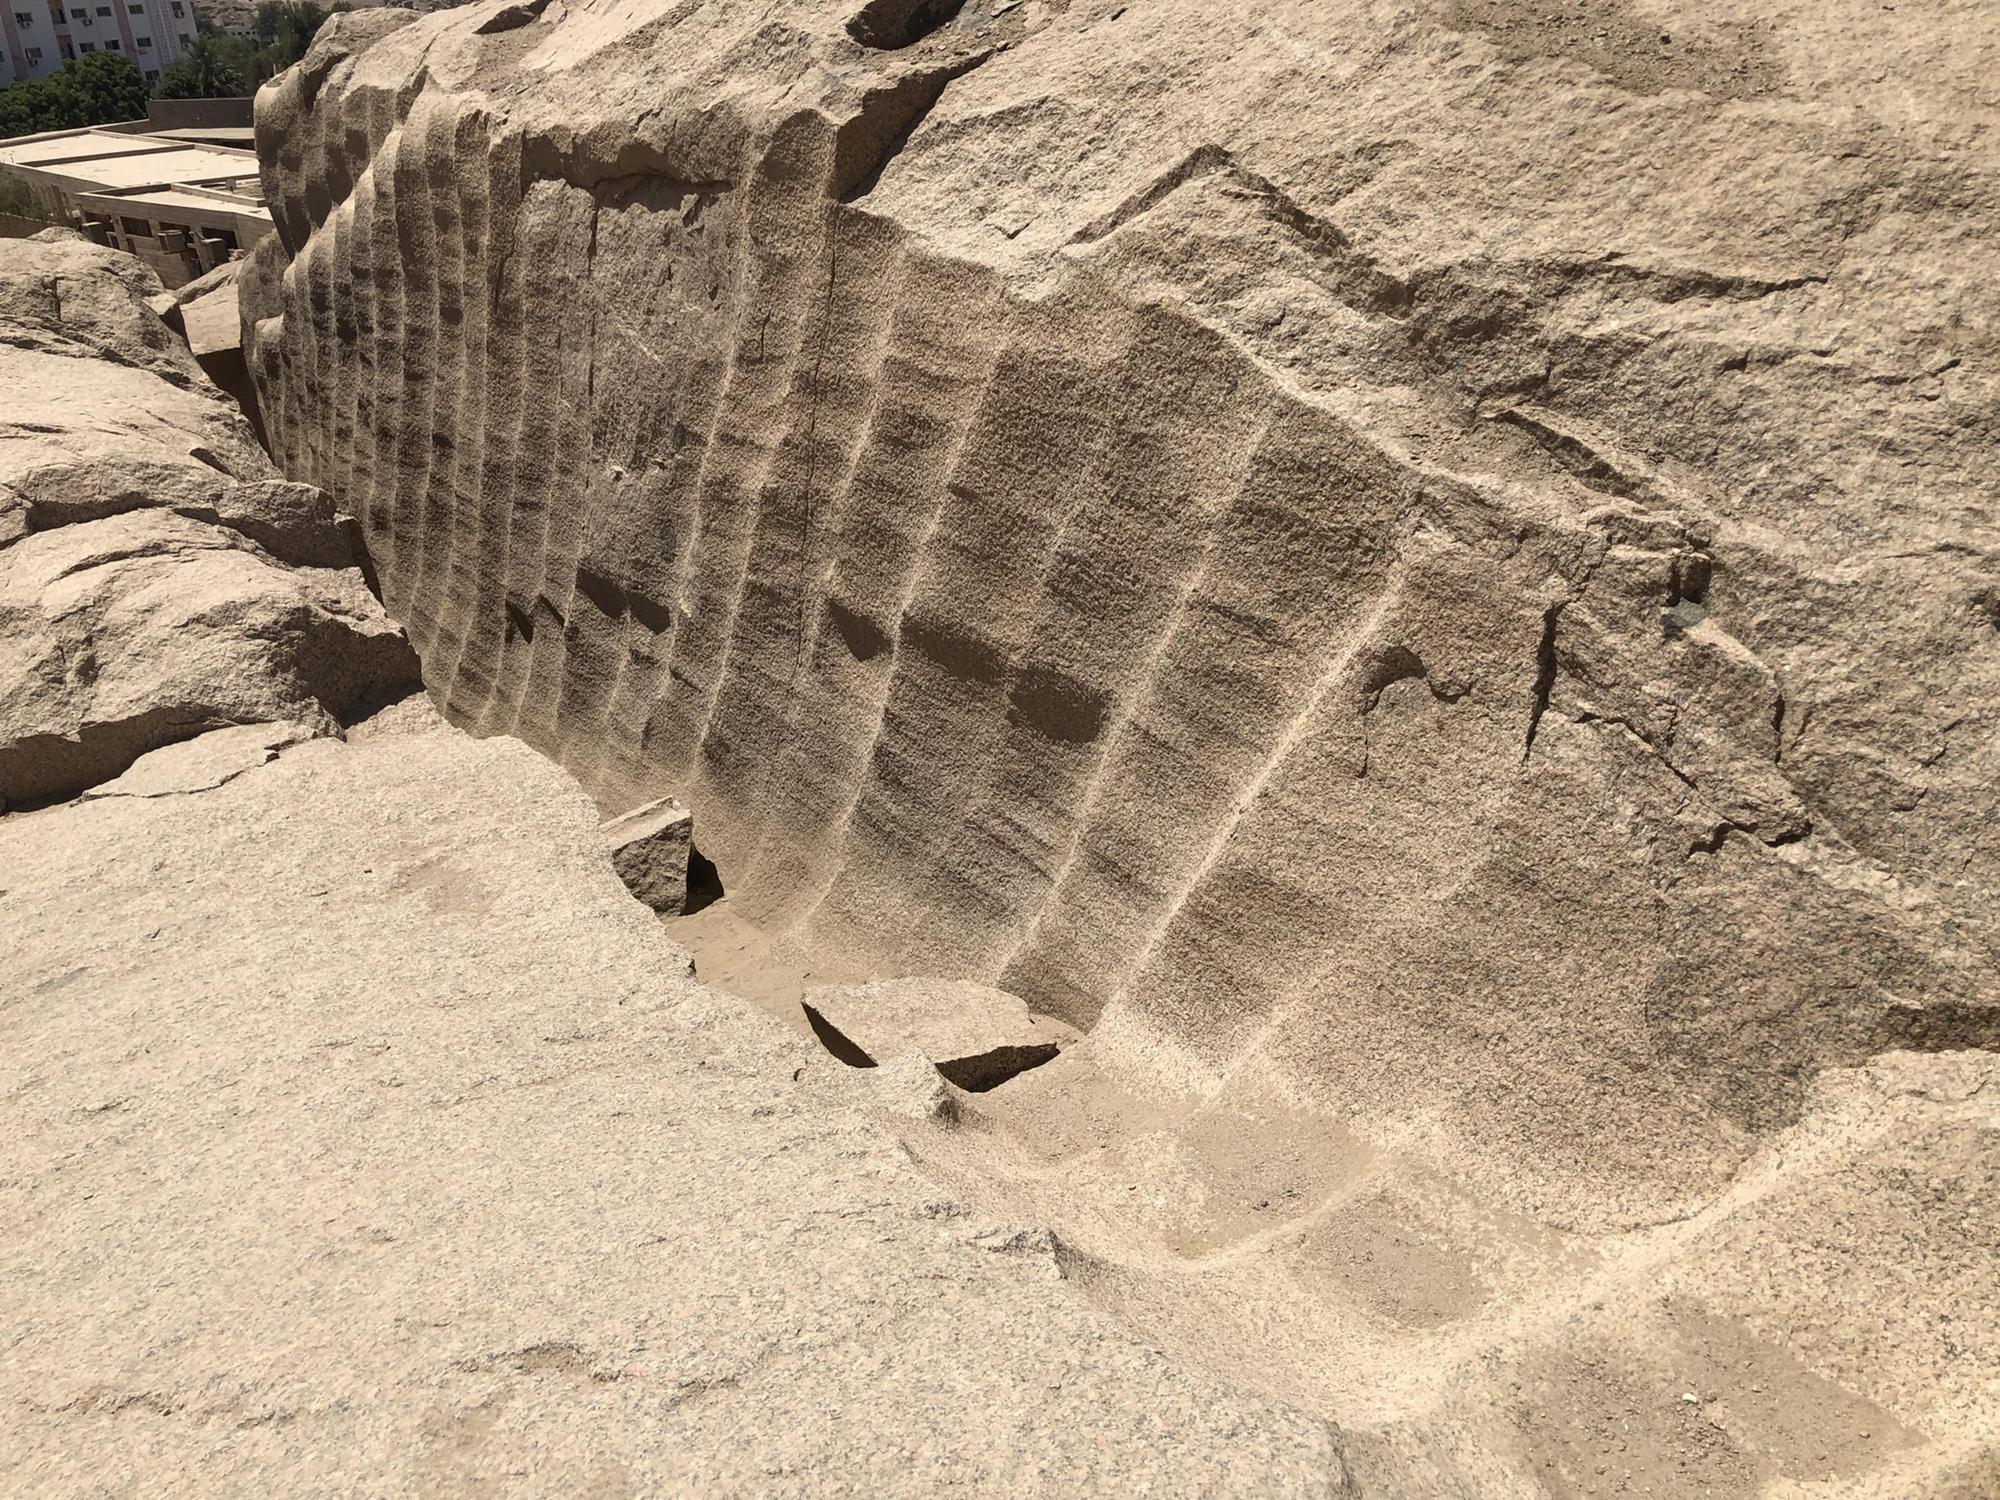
[(1449, 681), (1245, 1227), (1267, 1241)]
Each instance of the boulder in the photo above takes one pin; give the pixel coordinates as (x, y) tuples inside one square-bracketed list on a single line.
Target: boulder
[(158, 579), (130, 632), (976, 1036), (649, 850)]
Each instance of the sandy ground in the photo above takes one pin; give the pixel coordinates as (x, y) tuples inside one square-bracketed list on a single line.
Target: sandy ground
[(363, 1133), (1251, 1233)]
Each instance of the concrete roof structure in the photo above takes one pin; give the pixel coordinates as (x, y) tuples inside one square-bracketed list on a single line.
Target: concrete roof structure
[(94, 158), (180, 206)]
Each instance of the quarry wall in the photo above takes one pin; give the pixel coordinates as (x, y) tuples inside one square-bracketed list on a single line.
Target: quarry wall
[(1437, 556)]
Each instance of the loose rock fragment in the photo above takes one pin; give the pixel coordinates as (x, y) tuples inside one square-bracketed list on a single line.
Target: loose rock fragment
[(649, 850), (978, 1037)]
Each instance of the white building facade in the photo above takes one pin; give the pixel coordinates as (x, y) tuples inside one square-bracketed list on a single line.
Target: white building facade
[(39, 36)]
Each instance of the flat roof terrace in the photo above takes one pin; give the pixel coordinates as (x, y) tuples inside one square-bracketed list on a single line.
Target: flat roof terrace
[(111, 159)]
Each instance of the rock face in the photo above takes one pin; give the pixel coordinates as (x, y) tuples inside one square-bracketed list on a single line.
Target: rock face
[(1447, 559), (157, 578), (1434, 562)]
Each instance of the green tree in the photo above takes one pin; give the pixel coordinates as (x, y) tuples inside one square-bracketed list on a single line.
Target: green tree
[(94, 89), (100, 87), (287, 27), (209, 69), (280, 33), (25, 109)]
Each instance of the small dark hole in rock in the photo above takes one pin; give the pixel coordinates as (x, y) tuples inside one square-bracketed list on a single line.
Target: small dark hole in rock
[(835, 1040), (704, 883), (988, 1070), (889, 25)]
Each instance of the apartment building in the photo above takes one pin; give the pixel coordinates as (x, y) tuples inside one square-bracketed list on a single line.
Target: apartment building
[(39, 36)]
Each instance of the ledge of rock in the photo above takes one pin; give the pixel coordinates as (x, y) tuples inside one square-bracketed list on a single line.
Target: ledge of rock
[(158, 578)]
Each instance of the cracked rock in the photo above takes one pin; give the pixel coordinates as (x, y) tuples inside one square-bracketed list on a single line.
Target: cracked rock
[(158, 579)]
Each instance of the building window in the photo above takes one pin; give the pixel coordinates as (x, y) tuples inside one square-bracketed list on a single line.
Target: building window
[(137, 10), (179, 9), (63, 42), (187, 38), (22, 18), (34, 57), (104, 10), (112, 47), (145, 43), (152, 75)]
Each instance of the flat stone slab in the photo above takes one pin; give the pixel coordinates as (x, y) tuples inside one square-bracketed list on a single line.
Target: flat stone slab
[(204, 762), (213, 325), (649, 850), (976, 1036), (485, 1194)]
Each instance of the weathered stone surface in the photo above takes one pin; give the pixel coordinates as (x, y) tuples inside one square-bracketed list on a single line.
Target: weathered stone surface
[(362, 1136), (976, 1036), (649, 850), (1435, 562), (202, 763), (157, 578), (1385, 552), (63, 296)]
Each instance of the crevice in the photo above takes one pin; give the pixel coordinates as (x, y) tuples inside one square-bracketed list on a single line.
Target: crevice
[(1712, 841), (1367, 289), (882, 127), (1670, 284), (975, 1072), (704, 882), (891, 25), (1581, 461), (1203, 161), (1587, 717), (1545, 675)]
